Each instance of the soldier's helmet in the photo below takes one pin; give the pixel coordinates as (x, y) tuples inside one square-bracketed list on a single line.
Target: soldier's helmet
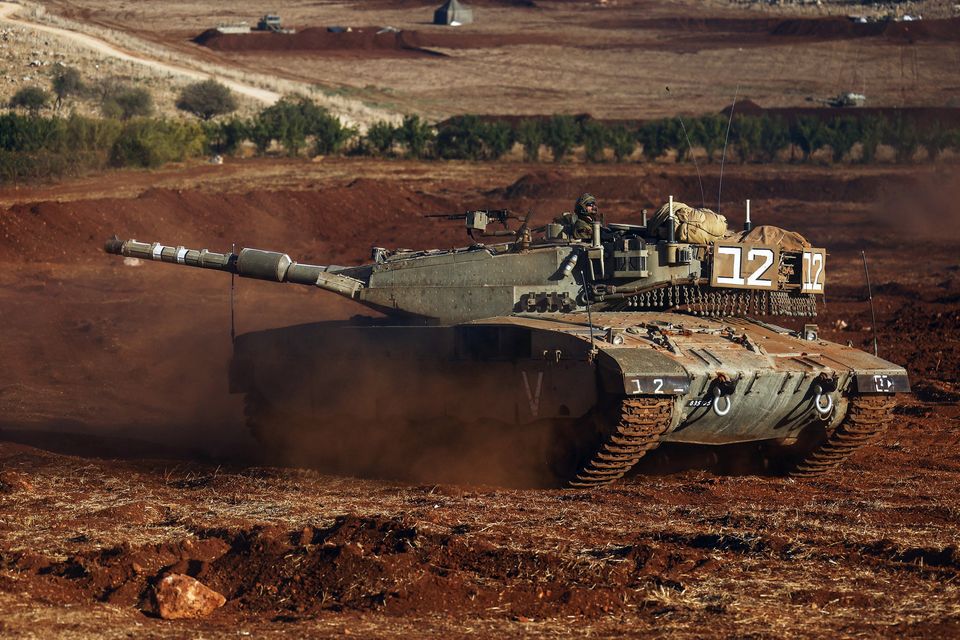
[(582, 204)]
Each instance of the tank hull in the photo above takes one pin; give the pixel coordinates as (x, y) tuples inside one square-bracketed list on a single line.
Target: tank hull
[(707, 381)]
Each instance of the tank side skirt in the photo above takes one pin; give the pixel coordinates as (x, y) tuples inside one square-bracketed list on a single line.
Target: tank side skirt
[(643, 420), (868, 417)]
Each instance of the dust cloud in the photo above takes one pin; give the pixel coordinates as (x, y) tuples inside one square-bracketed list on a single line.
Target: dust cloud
[(928, 209)]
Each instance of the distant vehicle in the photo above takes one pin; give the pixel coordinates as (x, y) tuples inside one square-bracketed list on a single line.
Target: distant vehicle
[(272, 22), (847, 100), (269, 22)]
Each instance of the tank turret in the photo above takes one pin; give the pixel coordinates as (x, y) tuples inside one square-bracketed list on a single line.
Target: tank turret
[(684, 259)]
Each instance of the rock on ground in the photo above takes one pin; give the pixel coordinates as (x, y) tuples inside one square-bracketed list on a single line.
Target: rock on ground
[(179, 596)]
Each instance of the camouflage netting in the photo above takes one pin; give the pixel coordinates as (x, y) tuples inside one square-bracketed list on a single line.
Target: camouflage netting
[(770, 235), (696, 226)]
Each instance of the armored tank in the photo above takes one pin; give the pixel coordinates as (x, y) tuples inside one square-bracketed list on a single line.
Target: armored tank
[(636, 336)]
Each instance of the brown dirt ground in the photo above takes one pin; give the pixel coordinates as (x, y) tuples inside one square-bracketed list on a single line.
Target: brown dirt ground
[(124, 458)]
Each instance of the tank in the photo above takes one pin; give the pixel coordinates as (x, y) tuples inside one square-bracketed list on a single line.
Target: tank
[(610, 345)]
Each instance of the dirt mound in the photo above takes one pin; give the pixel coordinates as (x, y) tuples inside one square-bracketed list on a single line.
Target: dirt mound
[(344, 221), (650, 189), (369, 41)]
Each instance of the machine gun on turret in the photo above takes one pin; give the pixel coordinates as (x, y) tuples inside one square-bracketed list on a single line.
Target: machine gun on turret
[(478, 219)]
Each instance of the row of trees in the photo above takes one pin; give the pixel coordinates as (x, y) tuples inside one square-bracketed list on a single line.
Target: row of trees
[(769, 138), (34, 146), (294, 124)]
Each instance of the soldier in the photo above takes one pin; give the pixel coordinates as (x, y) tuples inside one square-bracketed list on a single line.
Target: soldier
[(579, 224)]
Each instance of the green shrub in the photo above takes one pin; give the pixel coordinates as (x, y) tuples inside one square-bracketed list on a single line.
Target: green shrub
[(935, 139), (710, 133), (747, 134), (123, 102), (30, 98), (560, 134), (416, 135), (623, 142), (903, 136), (841, 134), (774, 136), (497, 138), (380, 138), (26, 134), (461, 138), (66, 81), (873, 130), (653, 137), (529, 133), (207, 99), (225, 137), (595, 136), (292, 120), (329, 134), (151, 143), (808, 133)]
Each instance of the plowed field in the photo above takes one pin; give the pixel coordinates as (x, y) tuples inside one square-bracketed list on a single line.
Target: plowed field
[(124, 457)]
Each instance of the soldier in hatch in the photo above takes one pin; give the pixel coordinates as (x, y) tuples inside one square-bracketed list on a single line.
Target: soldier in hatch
[(579, 224)]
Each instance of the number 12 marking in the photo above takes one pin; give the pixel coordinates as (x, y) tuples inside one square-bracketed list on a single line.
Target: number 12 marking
[(813, 262), (756, 279)]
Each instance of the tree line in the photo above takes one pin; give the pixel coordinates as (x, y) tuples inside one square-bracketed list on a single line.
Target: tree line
[(34, 145)]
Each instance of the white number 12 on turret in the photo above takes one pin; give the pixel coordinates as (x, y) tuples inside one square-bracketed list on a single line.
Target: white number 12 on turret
[(813, 275)]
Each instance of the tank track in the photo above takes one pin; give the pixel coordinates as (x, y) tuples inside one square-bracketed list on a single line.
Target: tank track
[(642, 421), (868, 417)]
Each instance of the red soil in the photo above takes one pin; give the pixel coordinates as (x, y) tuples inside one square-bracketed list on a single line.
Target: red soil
[(126, 356)]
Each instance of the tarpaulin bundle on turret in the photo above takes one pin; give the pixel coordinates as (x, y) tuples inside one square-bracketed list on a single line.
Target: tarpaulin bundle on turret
[(704, 226), (696, 226)]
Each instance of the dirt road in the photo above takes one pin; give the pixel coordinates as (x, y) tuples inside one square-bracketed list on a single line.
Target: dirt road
[(10, 13)]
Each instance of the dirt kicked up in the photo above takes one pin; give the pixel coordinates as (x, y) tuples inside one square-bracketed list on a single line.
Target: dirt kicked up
[(125, 460)]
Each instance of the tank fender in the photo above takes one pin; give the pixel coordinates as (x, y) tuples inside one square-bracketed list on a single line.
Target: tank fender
[(646, 371)]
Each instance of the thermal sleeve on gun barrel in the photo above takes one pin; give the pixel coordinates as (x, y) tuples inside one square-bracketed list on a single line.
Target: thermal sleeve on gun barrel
[(264, 265)]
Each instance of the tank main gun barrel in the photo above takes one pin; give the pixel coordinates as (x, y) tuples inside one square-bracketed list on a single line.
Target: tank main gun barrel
[(249, 263)]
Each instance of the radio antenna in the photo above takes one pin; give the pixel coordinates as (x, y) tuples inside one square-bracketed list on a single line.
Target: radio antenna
[(726, 138), (233, 332), (703, 198), (873, 315)]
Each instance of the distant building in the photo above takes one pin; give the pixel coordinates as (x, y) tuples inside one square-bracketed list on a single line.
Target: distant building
[(453, 13)]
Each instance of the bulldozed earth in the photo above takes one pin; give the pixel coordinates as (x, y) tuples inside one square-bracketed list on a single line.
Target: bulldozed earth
[(123, 458)]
